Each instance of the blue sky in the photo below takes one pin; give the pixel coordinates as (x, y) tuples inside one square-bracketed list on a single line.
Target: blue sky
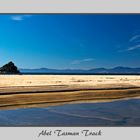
[(70, 41)]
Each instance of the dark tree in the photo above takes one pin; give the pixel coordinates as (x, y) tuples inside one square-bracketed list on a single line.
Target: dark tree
[(9, 68)]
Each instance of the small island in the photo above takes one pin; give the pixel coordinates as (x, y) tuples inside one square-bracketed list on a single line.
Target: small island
[(9, 68)]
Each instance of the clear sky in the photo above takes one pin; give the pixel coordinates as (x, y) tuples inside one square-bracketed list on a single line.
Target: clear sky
[(70, 41)]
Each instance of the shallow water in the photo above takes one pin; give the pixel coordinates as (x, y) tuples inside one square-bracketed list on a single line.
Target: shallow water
[(117, 113)]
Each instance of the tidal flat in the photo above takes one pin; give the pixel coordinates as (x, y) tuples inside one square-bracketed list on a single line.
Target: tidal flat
[(116, 113), (69, 100)]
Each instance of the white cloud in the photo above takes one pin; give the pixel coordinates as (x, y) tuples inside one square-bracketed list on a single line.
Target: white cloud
[(133, 43), (20, 17), (133, 47), (134, 38), (82, 60)]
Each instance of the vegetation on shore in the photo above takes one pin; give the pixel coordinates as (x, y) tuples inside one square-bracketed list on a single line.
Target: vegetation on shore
[(9, 68)]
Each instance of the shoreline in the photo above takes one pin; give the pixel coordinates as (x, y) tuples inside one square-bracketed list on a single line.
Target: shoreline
[(33, 90), (36, 97)]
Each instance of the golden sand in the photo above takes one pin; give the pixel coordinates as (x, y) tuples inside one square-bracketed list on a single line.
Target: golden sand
[(77, 80), (35, 90)]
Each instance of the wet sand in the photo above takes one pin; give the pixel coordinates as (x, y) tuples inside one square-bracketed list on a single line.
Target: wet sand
[(25, 91), (116, 113)]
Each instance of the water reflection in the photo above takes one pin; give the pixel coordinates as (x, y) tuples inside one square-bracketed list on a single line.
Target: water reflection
[(117, 113)]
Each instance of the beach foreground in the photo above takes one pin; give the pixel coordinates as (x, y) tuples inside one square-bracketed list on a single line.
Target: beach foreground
[(23, 91)]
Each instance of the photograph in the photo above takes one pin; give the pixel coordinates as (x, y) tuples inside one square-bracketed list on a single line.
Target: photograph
[(69, 70)]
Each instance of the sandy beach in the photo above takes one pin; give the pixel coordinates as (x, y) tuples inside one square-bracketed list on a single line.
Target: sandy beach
[(77, 80), (18, 91)]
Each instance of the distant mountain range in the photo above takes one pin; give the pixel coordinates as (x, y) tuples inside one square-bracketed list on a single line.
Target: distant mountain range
[(116, 70)]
